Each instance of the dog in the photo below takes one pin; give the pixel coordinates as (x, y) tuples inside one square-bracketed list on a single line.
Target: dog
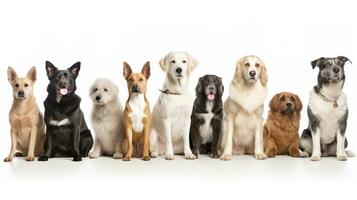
[(207, 115), (171, 114), (281, 130), (107, 119), (26, 120), (137, 115), (243, 110), (327, 112), (67, 133)]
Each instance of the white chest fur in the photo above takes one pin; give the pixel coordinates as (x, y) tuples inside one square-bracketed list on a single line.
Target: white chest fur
[(206, 129), (60, 123), (137, 105), (328, 115)]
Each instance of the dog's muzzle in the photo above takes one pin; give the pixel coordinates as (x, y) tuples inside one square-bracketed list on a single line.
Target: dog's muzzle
[(21, 94), (135, 89)]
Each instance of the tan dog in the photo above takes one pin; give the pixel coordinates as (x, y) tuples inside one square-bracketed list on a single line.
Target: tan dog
[(281, 130), (137, 115), (26, 120)]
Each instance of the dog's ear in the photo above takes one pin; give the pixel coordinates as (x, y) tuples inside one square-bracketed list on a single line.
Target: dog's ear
[(74, 69), (126, 70), (199, 87), (221, 87), (317, 62), (343, 59), (11, 74), (274, 103), (192, 62), (163, 61), (146, 70), (32, 74), (238, 74), (50, 69), (263, 73), (298, 104)]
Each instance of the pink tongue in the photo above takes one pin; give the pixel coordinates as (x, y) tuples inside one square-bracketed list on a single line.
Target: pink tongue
[(210, 97), (63, 91)]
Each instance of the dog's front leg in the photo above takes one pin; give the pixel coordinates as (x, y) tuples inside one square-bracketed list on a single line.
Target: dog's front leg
[(48, 147), (228, 146), (259, 146), (13, 146), (76, 139), (169, 153), (186, 142), (32, 143), (340, 150), (216, 126), (316, 144), (146, 147), (96, 149), (129, 145)]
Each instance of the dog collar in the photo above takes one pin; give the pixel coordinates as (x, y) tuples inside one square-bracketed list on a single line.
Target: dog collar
[(323, 97), (168, 92)]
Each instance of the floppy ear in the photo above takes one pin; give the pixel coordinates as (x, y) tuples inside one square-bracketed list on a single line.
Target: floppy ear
[(298, 104), (343, 59), (32, 75), (274, 103), (74, 69), (126, 70), (163, 61), (146, 70), (317, 62), (192, 62), (11, 74), (221, 87), (50, 69), (263, 74), (199, 87), (238, 74)]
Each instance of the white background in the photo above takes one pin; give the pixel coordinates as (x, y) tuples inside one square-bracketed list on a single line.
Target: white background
[(287, 35)]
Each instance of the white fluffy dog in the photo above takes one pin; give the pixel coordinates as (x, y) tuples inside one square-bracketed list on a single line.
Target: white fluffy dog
[(106, 119), (172, 111)]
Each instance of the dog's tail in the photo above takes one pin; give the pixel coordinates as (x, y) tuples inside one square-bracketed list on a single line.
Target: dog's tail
[(350, 153)]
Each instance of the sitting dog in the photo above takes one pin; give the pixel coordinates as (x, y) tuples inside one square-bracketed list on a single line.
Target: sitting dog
[(107, 119), (327, 112), (137, 115), (281, 130), (67, 133), (206, 117), (26, 120)]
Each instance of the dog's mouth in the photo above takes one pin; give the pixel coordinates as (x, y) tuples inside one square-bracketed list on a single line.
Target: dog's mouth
[(211, 96), (289, 111), (62, 90)]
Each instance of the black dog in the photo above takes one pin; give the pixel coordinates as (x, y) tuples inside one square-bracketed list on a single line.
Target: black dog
[(206, 117), (67, 133)]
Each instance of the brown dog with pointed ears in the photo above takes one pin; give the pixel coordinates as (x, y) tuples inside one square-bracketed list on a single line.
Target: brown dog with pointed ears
[(137, 115)]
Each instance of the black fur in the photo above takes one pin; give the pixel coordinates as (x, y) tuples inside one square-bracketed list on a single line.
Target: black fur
[(73, 139), (199, 107)]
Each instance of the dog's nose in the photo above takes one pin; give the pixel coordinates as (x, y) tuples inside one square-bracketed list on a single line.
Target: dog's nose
[(336, 70), (98, 98), (21, 93), (252, 73), (135, 88), (62, 84), (179, 70), (289, 105)]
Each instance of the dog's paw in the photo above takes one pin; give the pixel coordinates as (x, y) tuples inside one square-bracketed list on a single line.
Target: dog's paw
[(214, 155), (127, 158), (190, 156), (341, 158), (8, 159), (93, 155), (226, 157), (118, 155), (315, 158), (153, 154), (146, 158), (260, 156), (43, 158), (304, 154), (169, 157), (77, 158), (30, 158)]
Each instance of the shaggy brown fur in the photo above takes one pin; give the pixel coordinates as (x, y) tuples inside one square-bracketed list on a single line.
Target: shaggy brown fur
[(281, 130)]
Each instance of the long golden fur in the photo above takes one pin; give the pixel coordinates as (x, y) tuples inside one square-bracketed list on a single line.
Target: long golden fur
[(281, 130)]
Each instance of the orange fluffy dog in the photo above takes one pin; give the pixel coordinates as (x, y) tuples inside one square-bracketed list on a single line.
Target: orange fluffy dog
[(281, 130), (137, 115)]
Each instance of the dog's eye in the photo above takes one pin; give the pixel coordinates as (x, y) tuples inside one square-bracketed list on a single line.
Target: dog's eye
[(282, 98), (292, 99), (246, 64), (141, 79), (95, 89), (26, 85), (131, 80), (17, 85), (105, 90), (173, 61), (257, 65), (65, 74), (184, 61)]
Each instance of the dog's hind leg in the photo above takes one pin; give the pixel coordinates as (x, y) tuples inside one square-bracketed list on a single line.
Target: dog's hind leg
[(306, 143), (85, 143)]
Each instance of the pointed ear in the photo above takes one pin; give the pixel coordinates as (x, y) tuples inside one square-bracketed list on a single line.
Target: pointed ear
[(238, 74), (146, 70), (298, 106), (32, 74), (317, 62), (50, 69), (343, 59), (192, 62), (274, 103), (126, 70), (11, 74), (263, 74), (74, 69), (163, 62)]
